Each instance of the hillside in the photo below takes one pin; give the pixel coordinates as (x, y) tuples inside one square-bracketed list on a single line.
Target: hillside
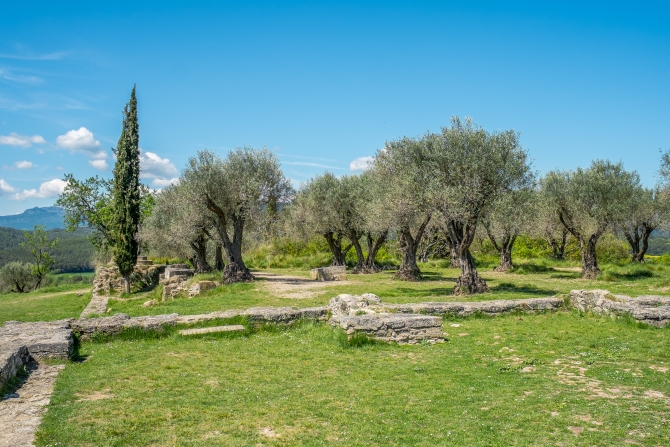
[(50, 216), (73, 254)]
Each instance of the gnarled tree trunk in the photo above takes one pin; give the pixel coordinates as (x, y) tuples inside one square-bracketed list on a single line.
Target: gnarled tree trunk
[(504, 246), (199, 246), (218, 258), (590, 269), (638, 239), (335, 244), (354, 236), (374, 244), (409, 270), (462, 234), (235, 270), (453, 254), (558, 246)]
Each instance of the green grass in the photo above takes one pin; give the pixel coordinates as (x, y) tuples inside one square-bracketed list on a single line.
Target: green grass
[(46, 304), (513, 380)]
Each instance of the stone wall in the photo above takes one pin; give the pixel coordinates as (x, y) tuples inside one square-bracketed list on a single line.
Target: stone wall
[(397, 328), (108, 279), (12, 358)]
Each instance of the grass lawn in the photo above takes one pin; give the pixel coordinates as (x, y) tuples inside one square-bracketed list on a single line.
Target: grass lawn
[(46, 304), (530, 279), (547, 379)]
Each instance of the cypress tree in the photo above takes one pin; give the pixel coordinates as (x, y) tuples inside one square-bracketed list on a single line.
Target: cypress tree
[(126, 193)]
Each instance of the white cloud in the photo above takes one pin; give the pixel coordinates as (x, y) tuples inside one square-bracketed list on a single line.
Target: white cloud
[(81, 140), (163, 182), (99, 164), (161, 170), (52, 188), (5, 188), (25, 164), (361, 163), (24, 141)]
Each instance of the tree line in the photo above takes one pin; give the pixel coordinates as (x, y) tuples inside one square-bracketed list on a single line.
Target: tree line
[(450, 186)]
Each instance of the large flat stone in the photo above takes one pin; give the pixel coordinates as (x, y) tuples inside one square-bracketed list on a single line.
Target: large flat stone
[(12, 358), (52, 339), (399, 328)]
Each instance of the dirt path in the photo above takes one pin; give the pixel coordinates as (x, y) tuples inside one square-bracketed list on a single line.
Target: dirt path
[(21, 412), (296, 287)]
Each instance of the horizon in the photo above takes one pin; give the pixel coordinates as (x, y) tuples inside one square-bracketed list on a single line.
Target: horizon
[(324, 87)]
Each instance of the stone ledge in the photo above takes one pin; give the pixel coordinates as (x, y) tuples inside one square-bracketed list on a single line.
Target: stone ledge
[(398, 328), (52, 339), (212, 330), (463, 309)]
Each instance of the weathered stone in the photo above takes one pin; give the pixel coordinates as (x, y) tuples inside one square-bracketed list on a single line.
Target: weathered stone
[(174, 286), (150, 303), (345, 304), (403, 329), (337, 273), (200, 287), (285, 315), (463, 309), (172, 271), (52, 339), (86, 327), (213, 329), (12, 358), (97, 305), (108, 279), (649, 309)]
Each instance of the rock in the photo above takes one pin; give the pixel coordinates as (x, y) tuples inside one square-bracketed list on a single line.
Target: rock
[(344, 304), (649, 309), (150, 303), (337, 273), (402, 329), (285, 315), (171, 272), (12, 358), (200, 287), (463, 309), (11, 396), (174, 286)]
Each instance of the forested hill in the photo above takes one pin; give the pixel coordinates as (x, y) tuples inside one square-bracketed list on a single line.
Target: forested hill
[(50, 216), (73, 254)]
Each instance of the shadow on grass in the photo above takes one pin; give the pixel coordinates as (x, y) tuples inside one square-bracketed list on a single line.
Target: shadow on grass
[(436, 276), (523, 288), (575, 275)]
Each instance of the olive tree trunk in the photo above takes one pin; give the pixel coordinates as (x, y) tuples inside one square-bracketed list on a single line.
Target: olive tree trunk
[(638, 239), (590, 269), (453, 254), (558, 246), (199, 246), (462, 234), (409, 270), (335, 244), (235, 270), (218, 258), (503, 246), (374, 244)]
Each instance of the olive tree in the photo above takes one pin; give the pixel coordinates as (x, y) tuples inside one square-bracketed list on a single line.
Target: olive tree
[(232, 190), (588, 201), (177, 228), (402, 201), (506, 219), (646, 211), (322, 206), (548, 226), (38, 244), (471, 169)]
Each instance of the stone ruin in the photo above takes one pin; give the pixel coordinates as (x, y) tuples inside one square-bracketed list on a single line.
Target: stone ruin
[(108, 279), (649, 309)]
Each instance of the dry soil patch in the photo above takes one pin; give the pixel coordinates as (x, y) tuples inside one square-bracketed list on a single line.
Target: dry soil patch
[(284, 286)]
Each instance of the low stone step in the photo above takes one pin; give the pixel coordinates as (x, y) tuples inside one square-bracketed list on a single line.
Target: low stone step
[(145, 262), (214, 329)]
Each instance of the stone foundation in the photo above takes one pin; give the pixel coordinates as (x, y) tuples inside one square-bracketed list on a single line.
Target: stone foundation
[(108, 279), (338, 273), (402, 329), (649, 309), (201, 287), (52, 339), (12, 358), (349, 305)]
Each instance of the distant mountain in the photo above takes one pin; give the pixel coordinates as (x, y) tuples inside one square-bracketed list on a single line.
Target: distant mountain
[(51, 216)]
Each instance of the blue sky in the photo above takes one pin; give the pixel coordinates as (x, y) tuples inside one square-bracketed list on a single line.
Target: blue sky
[(323, 84)]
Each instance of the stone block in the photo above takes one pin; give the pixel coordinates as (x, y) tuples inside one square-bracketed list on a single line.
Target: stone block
[(52, 339), (337, 273), (200, 287), (649, 309), (171, 272), (463, 309), (398, 328)]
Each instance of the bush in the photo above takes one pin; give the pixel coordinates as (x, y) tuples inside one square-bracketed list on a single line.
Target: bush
[(17, 277)]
